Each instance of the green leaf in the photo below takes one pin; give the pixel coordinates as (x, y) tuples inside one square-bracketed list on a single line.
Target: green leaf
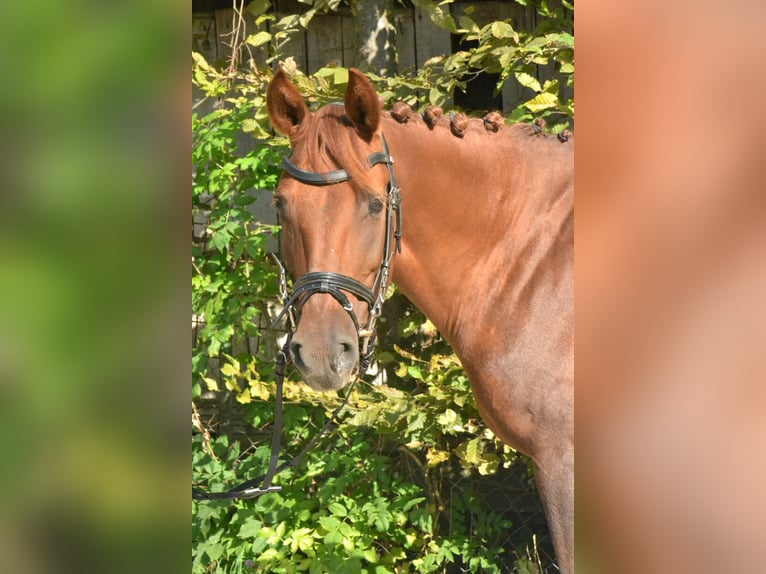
[(542, 101), (301, 540), (504, 30), (378, 516), (333, 538), (435, 457), (214, 550), (348, 531), (528, 81), (467, 24), (450, 420), (489, 464), (281, 527), (329, 523), (250, 528), (551, 86), (566, 38), (435, 96), (258, 7), (220, 240), (211, 383), (506, 55), (306, 17), (469, 451), (324, 72), (415, 372), (370, 555), (337, 509), (249, 125), (259, 38), (200, 61), (229, 370), (340, 77), (412, 503)]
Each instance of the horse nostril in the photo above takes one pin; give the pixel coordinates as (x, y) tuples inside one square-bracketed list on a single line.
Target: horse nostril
[(295, 353), (347, 348), (345, 358)]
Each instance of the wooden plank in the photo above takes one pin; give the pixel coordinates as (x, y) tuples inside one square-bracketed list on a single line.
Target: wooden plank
[(223, 19), (295, 46), (484, 12), (204, 40), (404, 21), (348, 41), (430, 40), (324, 42)]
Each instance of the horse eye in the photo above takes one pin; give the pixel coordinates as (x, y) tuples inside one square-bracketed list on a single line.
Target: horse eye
[(376, 206)]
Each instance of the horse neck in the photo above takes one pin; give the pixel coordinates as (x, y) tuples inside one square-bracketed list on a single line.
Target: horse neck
[(468, 205)]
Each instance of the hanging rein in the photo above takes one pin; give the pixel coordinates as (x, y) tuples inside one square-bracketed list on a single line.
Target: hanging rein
[(336, 285)]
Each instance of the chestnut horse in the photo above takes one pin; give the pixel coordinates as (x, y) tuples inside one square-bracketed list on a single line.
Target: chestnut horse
[(481, 239)]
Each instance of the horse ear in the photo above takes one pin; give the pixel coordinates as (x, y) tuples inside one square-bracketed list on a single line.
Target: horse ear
[(287, 108), (362, 104)]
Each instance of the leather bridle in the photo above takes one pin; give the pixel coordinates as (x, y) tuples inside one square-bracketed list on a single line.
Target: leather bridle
[(334, 284), (337, 284)]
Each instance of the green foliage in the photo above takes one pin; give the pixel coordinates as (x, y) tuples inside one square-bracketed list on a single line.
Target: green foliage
[(230, 282), (370, 498), (364, 502), (395, 487), (512, 54)]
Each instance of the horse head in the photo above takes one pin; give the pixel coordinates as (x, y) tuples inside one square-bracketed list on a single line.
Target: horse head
[(332, 202)]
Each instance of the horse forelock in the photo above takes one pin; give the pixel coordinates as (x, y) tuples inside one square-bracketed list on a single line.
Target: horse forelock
[(329, 141)]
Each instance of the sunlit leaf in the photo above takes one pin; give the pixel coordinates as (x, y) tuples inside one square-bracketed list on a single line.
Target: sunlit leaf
[(542, 101), (259, 38), (258, 7), (528, 81)]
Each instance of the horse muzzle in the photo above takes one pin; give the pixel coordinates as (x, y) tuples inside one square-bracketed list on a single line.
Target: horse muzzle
[(326, 363)]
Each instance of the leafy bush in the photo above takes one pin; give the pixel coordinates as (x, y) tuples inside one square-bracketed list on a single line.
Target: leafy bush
[(371, 497)]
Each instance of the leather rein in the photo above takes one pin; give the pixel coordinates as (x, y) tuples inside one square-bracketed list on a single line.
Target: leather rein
[(334, 284)]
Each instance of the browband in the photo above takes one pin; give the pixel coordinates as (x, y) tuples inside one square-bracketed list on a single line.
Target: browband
[(330, 177)]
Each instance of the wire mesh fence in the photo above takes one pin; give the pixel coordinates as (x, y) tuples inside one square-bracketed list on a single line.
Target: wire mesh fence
[(512, 493)]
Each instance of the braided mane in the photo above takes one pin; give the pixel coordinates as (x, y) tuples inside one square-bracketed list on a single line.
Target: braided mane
[(459, 123)]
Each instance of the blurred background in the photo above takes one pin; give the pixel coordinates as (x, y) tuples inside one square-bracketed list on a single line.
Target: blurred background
[(93, 286)]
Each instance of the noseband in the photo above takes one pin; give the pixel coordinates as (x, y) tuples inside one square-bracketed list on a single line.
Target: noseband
[(337, 284)]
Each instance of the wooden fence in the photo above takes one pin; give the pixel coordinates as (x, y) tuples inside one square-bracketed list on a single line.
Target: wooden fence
[(331, 39)]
